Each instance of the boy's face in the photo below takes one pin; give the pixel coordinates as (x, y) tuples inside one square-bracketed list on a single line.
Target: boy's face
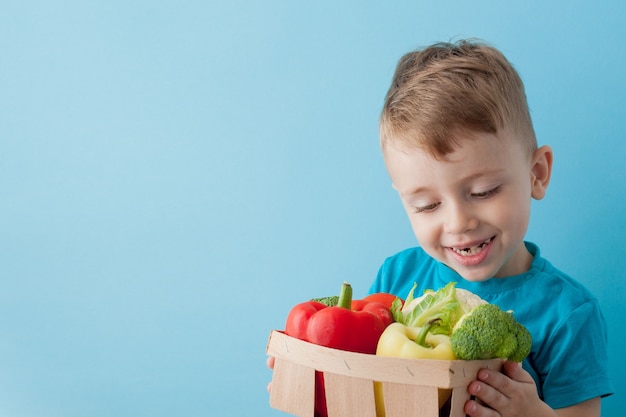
[(471, 210)]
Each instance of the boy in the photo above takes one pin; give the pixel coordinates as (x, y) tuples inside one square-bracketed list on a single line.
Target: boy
[(460, 149)]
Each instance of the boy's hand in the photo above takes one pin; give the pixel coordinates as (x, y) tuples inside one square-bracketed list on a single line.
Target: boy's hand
[(511, 393), (270, 364)]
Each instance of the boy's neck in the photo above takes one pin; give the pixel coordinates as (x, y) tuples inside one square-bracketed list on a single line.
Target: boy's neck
[(520, 263)]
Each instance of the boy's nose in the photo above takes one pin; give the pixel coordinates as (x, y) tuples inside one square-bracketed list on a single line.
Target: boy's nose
[(459, 219)]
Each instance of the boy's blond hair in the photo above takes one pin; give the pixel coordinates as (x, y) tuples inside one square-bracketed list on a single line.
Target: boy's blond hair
[(448, 88)]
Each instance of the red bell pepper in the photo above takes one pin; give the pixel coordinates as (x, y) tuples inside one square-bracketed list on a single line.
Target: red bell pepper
[(384, 298), (351, 325)]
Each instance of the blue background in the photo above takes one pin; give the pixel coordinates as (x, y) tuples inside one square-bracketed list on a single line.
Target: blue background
[(175, 175)]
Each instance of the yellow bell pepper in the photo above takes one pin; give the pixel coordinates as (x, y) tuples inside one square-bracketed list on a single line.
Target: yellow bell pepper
[(401, 341)]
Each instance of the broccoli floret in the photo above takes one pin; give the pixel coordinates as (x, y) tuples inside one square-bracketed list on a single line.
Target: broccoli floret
[(487, 332), (330, 301)]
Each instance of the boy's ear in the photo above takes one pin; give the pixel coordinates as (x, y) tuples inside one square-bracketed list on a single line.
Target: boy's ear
[(540, 171)]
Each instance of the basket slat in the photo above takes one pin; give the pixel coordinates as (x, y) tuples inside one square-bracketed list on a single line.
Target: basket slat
[(403, 400), (347, 396), (440, 373), (294, 388), (457, 406)]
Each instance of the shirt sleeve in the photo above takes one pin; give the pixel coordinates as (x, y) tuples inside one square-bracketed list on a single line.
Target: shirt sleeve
[(377, 285), (576, 360)]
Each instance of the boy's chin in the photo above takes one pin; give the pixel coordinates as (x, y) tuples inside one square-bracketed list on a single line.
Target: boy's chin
[(473, 274), (472, 278)]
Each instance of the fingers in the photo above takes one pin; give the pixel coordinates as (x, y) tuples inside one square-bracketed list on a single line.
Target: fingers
[(501, 393), (488, 390), (475, 409), (492, 389), (505, 381), (498, 382), (270, 364)]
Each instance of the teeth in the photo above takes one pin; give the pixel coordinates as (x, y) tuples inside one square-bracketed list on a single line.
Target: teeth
[(473, 250)]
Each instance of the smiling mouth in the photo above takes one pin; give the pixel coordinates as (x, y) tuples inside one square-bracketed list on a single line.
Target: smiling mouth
[(473, 250)]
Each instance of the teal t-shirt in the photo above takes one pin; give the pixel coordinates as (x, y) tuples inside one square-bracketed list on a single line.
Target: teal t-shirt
[(568, 359)]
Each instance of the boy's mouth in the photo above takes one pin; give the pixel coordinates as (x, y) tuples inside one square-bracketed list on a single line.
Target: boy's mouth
[(472, 250)]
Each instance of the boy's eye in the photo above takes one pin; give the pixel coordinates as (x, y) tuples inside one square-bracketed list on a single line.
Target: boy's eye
[(425, 209), (488, 193)]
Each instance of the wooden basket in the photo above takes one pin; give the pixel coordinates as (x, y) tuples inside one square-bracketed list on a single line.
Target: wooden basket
[(410, 387)]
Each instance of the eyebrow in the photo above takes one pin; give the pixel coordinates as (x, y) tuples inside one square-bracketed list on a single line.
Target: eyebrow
[(491, 173), (412, 192)]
